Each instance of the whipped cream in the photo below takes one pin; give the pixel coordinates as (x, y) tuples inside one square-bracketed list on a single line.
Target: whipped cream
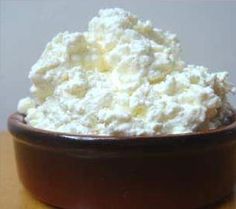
[(122, 77)]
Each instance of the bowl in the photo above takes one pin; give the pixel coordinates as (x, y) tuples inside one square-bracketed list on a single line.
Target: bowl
[(184, 171)]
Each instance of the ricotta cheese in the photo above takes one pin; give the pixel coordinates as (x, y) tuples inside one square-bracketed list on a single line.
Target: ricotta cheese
[(122, 77)]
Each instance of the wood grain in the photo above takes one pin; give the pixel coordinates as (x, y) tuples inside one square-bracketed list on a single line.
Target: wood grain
[(14, 196)]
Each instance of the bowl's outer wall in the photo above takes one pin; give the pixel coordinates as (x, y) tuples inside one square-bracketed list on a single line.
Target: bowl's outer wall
[(176, 172), (139, 180)]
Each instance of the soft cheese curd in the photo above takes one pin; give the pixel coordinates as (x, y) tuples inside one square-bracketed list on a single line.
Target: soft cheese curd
[(122, 77)]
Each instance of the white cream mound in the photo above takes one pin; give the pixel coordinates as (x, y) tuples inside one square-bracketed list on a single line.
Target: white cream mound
[(122, 77)]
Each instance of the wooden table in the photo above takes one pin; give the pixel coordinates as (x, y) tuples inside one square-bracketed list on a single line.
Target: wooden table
[(14, 196)]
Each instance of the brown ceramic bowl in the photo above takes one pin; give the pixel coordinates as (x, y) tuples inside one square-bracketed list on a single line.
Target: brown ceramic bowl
[(184, 171)]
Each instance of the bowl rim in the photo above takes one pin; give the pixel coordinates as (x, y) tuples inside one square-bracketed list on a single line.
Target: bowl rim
[(18, 128)]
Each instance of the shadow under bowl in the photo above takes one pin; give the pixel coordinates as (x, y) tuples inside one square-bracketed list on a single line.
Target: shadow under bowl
[(184, 171)]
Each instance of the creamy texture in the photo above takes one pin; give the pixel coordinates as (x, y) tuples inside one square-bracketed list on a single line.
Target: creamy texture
[(122, 77)]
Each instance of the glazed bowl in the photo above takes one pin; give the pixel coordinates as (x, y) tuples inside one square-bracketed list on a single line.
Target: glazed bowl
[(184, 171)]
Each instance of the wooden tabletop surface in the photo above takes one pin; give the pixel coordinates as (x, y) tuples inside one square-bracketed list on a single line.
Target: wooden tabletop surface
[(14, 196)]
